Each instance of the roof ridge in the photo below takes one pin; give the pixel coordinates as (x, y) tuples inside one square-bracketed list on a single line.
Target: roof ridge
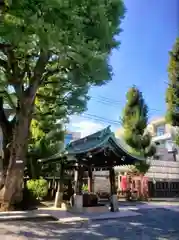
[(98, 134)]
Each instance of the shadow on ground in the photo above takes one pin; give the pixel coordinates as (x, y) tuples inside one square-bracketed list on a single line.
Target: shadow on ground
[(152, 224)]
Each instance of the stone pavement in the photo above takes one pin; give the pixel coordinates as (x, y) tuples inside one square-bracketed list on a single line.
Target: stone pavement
[(151, 224), (69, 217), (62, 216), (65, 216)]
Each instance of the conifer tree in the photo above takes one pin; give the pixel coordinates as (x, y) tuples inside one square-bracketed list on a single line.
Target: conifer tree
[(135, 119), (172, 93)]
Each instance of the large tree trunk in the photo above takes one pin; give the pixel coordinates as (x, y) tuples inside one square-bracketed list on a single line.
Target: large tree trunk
[(6, 128), (11, 191), (11, 187)]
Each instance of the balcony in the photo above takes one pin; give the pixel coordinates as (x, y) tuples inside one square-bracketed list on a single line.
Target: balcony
[(165, 136)]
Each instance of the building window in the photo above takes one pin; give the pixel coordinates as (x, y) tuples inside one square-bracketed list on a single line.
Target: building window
[(160, 130)]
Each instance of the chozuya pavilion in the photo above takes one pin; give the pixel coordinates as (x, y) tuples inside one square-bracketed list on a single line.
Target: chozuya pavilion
[(98, 150)]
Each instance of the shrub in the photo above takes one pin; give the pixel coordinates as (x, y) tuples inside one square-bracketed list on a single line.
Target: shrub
[(85, 188), (38, 187)]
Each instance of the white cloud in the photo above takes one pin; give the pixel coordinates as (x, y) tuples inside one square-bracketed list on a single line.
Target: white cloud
[(86, 127)]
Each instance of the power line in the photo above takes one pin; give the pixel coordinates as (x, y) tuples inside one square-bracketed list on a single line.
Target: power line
[(110, 102), (114, 103), (101, 119)]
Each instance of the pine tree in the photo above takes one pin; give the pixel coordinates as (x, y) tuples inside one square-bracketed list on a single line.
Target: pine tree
[(135, 119)]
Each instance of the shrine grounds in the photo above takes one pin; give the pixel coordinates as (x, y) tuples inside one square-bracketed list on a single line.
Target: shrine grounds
[(152, 224)]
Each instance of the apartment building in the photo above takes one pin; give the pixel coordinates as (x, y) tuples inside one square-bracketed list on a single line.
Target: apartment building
[(163, 136), (164, 171)]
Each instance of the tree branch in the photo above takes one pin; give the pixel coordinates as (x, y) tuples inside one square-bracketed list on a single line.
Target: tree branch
[(38, 73), (4, 46), (40, 67), (26, 70), (14, 76)]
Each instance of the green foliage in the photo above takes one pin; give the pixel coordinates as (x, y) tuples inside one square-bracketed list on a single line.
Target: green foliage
[(38, 187), (142, 167), (47, 139), (135, 113), (85, 188), (51, 53), (172, 93), (135, 119), (62, 46)]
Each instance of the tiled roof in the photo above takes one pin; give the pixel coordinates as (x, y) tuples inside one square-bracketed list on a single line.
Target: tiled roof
[(100, 140)]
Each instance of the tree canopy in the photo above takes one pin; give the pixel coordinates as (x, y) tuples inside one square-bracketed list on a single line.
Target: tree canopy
[(61, 47)]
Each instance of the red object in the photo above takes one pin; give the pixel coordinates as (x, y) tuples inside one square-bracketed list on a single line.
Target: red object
[(123, 183), (139, 183)]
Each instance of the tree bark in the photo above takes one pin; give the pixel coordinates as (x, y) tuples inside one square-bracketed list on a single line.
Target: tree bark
[(6, 128), (17, 132), (11, 191)]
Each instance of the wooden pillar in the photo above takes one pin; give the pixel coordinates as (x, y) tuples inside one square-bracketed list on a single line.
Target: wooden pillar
[(53, 186), (59, 195), (113, 200), (70, 189), (112, 181), (59, 191), (78, 197), (80, 179), (119, 181), (90, 180), (76, 180)]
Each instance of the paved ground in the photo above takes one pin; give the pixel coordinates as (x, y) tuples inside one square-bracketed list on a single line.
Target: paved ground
[(152, 224)]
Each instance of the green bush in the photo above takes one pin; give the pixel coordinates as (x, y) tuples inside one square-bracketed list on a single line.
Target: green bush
[(38, 187), (85, 188)]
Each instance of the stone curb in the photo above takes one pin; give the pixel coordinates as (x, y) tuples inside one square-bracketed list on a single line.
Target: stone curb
[(18, 217), (25, 216)]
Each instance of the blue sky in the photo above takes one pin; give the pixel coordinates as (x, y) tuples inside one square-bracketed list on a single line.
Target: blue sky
[(150, 28)]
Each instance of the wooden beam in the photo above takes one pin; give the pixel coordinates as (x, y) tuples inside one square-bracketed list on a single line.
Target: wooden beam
[(90, 180)]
